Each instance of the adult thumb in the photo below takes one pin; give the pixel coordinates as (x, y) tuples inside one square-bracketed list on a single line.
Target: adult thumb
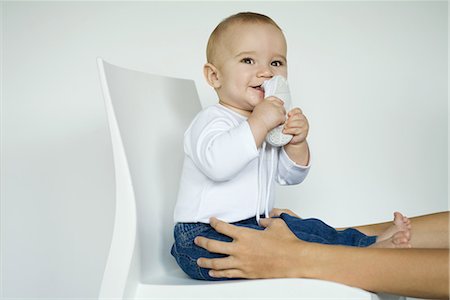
[(265, 222)]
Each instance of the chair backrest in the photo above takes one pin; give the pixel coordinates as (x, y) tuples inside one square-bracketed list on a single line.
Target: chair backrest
[(148, 115)]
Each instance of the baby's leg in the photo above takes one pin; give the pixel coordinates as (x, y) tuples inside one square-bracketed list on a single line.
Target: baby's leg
[(316, 231), (400, 224)]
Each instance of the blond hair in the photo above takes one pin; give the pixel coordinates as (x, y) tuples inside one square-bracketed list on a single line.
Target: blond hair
[(242, 17)]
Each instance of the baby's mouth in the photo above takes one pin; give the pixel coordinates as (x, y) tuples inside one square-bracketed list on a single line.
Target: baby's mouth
[(259, 88)]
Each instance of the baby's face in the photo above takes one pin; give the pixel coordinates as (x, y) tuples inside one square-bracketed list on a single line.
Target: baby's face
[(249, 54)]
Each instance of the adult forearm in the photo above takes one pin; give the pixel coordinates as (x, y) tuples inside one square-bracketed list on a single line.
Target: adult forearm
[(410, 272), (427, 231)]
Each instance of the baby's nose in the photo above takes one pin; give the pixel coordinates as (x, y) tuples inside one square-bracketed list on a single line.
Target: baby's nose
[(265, 72)]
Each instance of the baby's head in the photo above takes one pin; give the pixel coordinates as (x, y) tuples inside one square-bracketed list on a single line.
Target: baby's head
[(243, 51)]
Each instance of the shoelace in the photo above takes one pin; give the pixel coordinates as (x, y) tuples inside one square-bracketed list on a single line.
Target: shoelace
[(268, 182)]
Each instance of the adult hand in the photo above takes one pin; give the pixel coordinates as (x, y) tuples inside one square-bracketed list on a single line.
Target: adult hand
[(276, 212), (252, 253), (275, 253)]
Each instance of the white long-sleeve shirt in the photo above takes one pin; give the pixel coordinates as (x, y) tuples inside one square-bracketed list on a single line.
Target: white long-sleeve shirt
[(220, 170)]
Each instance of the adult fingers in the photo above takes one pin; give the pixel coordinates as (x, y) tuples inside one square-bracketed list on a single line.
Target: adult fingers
[(223, 263), (231, 273), (276, 212), (224, 228), (269, 223), (213, 245), (265, 222)]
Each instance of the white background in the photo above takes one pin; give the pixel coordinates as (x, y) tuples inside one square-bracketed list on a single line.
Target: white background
[(370, 76)]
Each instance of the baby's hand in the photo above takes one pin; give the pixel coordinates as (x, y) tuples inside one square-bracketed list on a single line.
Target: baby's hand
[(270, 113), (297, 125)]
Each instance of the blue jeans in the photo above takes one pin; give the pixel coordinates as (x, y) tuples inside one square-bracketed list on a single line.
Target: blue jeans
[(186, 252)]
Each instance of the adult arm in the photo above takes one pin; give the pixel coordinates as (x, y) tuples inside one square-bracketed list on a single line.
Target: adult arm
[(410, 272), (427, 231)]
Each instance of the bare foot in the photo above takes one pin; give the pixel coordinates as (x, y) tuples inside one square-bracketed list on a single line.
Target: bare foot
[(401, 224), (400, 239)]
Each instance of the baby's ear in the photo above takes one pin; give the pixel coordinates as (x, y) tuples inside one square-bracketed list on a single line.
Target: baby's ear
[(211, 75)]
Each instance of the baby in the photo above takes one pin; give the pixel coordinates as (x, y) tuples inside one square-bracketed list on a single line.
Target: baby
[(225, 172)]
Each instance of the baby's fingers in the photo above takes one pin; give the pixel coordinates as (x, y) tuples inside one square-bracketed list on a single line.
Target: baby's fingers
[(295, 111), (275, 100)]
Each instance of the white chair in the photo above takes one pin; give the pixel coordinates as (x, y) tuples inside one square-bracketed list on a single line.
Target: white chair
[(147, 116)]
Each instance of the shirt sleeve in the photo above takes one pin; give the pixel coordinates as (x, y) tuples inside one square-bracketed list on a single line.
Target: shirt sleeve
[(220, 147), (290, 173)]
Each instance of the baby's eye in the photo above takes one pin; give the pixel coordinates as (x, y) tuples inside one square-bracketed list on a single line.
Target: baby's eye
[(276, 63), (248, 60)]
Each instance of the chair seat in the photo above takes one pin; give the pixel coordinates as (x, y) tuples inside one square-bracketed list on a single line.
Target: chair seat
[(171, 287)]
